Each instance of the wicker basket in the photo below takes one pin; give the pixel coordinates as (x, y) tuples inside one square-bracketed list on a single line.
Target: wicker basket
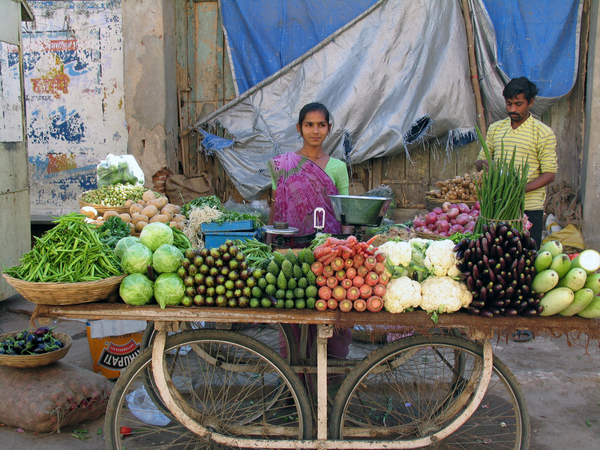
[(26, 361), (102, 208), (65, 293), (433, 237)]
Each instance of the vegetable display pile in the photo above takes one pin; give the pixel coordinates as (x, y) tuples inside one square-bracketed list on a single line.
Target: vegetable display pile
[(449, 219), (350, 275), (35, 343), (458, 188), (498, 267), (69, 252), (114, 194), (570, 286)]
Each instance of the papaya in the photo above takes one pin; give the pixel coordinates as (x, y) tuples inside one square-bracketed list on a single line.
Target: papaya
[(554, 247), (561, 264), (556, 300), (583, 297), (542, 261), (545, 280), (575, 279), (592, 311)]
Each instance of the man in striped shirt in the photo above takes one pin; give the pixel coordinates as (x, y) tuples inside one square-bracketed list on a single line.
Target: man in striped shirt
[(535, 143)]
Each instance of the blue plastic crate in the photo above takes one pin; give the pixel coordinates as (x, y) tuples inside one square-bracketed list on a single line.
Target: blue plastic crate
[(240, 225), (214, 239)]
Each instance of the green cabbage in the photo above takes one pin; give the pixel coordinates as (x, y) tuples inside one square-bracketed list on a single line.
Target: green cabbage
[(168, 290), (136, 259), (136, 289), (166, 258), (124, 244), (156, 234)]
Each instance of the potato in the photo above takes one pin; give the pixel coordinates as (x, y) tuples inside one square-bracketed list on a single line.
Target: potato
[(176, 208), (128, 203), (159, 218), (177, 225), (135, 214), (142, 202), (125, 217), (163, 202), (140, 218), (148, 195), (178, 218), (108, 214), (150, 211), (154, 202), (97, 222), (131, 228), (89, 212), (140, 226), (136, 207), (167, 212)]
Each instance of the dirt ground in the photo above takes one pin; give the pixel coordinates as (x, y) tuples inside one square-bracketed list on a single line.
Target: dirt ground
[(561, 386)]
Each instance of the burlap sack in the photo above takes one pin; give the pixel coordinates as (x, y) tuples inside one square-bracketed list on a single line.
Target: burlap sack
[(181, 189), (46, 398)]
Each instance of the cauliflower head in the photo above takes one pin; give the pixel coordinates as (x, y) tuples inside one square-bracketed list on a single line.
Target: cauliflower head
[(402, 293), (440, 258), (398, 252), (444, 295)]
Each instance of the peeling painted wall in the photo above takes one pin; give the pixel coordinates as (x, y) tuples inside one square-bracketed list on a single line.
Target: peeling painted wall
[(73, 70)]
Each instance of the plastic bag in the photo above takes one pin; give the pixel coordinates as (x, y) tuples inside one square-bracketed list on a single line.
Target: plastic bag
[(257, 208), (142, 407), (120, 169), (570, 237)]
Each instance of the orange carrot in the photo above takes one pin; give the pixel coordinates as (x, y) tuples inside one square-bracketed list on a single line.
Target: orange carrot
[(321, 251), (346, 252), (370, 241)]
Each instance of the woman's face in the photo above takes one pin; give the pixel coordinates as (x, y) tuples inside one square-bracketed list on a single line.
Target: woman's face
[(314, 129)]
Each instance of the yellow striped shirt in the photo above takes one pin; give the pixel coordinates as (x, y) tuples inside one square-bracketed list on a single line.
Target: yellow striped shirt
[(534, 140)]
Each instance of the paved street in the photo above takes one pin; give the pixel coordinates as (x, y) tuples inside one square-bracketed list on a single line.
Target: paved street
[(561, 385)]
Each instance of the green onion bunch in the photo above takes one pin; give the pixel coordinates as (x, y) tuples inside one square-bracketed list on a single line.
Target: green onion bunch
[(501, 192)]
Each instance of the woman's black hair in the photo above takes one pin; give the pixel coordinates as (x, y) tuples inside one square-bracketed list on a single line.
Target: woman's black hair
[(518, 86), (311, 107)]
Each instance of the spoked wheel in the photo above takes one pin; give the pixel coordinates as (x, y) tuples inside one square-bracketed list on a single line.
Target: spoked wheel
[(417, 386), (277, 336), (224, 381)]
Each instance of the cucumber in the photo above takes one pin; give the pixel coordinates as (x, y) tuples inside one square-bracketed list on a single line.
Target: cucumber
[(545, 281), (583, 297), (593, 283), (592, 311), (542, 261), (588, 260), (561, 264), (575, 279), (554, 247), (556, 300)]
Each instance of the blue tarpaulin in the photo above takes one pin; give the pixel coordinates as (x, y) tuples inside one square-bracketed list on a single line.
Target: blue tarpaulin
[(266, 36)]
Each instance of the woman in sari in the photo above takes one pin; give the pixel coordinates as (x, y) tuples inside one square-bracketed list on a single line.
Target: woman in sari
[(303, 181)]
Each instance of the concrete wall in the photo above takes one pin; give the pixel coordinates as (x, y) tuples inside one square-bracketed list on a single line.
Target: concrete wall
[(150, 84), (590, 193)]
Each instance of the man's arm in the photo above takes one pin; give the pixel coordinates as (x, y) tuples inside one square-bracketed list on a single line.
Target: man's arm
[(541, 181), (480, 164)]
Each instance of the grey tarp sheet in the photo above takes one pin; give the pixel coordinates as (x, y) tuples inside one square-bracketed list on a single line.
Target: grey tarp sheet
[(392, 78)]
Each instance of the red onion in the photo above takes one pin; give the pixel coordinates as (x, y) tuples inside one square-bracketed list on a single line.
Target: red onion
[(453, 213), (437, 210), (464, 208), (442, 216), (430, 218), (476, 205), (470, 226), (419, 222), (431, 227), (458, 229), (474, 213), (446, 206), (462, 219)]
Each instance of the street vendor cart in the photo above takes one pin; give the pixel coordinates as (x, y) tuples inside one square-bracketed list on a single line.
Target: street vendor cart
[(221, 389)]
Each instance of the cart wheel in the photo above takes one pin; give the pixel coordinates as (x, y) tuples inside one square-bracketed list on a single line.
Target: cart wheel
[(274, 335), (411, 389), (229, 383)]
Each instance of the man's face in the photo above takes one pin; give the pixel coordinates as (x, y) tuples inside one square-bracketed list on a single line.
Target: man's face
[(518, 108)]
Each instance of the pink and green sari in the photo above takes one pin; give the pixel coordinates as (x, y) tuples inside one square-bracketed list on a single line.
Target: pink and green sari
[(302, 186)]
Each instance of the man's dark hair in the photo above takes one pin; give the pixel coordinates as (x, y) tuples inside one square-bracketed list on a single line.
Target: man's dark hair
[(518, 86)]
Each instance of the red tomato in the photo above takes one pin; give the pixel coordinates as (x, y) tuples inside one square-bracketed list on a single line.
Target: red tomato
[(572, 256), (126, 431)]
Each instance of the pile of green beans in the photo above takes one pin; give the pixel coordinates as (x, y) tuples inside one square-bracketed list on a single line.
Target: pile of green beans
[(254, 251), (501, 193), (69, 252)]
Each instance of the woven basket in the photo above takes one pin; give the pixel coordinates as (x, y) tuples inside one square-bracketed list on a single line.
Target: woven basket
[(65, 293), (26, 361), (433, 237), (102, 208)]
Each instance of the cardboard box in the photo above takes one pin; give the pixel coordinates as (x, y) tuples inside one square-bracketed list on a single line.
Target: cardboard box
[(112, 354)]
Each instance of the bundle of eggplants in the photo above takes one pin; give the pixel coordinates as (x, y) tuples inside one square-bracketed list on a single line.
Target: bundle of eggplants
[(498, 269)]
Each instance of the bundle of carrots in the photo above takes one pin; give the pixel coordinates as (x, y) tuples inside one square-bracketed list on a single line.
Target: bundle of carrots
[(350, 275)]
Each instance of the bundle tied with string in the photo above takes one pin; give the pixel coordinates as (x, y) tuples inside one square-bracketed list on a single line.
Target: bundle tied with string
[(501, 192)]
